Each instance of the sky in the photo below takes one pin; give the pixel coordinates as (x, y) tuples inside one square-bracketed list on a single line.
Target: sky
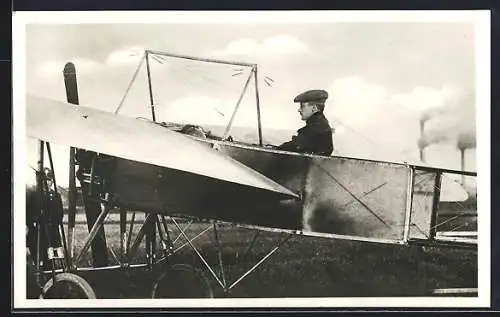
[(383, 79)]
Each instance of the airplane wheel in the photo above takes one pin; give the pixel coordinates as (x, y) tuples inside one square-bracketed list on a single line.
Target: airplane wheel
[(67, 285), (182, 281)]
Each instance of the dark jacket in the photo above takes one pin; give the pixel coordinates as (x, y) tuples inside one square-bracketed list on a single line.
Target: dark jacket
[(314, 138)]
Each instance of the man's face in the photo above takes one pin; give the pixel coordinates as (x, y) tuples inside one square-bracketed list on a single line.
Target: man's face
[(306, 110)]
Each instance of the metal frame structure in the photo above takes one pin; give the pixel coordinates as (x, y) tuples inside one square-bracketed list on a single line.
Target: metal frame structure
[(253, 75), (129, 249), (156, 226)]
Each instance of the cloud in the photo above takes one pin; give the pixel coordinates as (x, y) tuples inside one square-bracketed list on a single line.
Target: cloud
[(208, 110), (276, 45), (376, 122), (125, 56), (422, 99), (122, 60), (354, 101), (51, 69), (445, 114)]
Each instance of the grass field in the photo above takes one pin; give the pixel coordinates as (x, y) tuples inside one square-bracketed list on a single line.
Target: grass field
[(303, 267)]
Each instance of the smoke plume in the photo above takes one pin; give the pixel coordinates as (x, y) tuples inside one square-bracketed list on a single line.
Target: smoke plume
[(431, 113), (466, 140), (428, 139), (452, 121)]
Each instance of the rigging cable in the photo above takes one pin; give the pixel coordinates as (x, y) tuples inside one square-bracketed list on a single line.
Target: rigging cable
[(130, 84)]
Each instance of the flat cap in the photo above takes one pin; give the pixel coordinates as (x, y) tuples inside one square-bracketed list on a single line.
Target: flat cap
[(312, 95)]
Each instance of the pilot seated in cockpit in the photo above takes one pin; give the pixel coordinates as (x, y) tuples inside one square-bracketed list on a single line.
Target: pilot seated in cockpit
[(316, 136)]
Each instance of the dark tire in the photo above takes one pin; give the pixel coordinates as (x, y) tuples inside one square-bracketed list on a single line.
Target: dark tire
[(182, 281), (67, 285)]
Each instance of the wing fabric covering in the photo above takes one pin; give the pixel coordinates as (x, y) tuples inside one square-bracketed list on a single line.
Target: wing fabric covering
[(137, 140)]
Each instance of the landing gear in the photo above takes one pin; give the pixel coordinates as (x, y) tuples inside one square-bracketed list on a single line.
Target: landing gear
[(48, 255), (182, 281), (67, 285)]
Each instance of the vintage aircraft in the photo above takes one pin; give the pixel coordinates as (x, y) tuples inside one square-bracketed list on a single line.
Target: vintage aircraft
[(169, 173)]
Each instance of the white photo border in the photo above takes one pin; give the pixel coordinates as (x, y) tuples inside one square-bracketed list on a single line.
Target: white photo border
[(481, 21)]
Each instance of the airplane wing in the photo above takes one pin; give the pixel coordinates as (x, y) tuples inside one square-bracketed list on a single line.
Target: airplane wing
[(137, 140)]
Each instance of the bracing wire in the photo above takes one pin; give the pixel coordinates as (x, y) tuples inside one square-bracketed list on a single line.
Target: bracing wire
[(130, 84), (458, 203), (405, 153), (186, 68), (190, 75)]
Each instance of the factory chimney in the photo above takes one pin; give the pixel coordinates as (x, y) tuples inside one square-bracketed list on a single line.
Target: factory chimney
[(466, 140), (462, 164), (421, 148)]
